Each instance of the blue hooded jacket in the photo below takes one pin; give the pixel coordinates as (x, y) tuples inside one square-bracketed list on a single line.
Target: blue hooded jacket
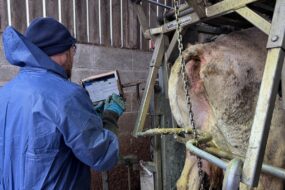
[(49, 132)]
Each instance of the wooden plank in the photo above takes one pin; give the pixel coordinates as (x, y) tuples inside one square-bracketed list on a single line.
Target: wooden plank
[(35, 9), (145, 43), (18, 15), (152, 16), (67, 15), (160, 9), (169, 3), (125, 22), (96, 179), (116, 23), (94, 21), (131, 26), (81, 20), (105, 22), (3, 15), (52, 8)]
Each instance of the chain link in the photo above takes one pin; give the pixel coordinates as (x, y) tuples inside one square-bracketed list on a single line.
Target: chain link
[(186, 86)]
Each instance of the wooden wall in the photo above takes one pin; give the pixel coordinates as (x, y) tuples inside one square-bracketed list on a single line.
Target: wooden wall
[(111, 23)]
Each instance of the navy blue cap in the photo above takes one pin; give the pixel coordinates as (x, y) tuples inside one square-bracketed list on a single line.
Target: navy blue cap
[(49, 35)]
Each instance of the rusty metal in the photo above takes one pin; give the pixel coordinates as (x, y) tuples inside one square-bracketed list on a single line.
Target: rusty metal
[(165, 131), (201, 140)]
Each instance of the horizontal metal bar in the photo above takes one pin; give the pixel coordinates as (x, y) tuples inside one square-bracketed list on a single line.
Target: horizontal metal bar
[(215, 10), (160, 4), (171, 26), (274, 171), (170, 15), (268, 169), (255, 19), (205, 155)]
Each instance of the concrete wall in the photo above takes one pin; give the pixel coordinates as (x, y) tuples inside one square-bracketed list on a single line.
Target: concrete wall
[(132, 66)]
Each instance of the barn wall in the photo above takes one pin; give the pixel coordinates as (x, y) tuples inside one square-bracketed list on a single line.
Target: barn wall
[(109, 23)]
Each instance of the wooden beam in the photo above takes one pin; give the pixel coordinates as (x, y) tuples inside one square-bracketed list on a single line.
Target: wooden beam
[(94, 21), (18, 15), (81, 20)]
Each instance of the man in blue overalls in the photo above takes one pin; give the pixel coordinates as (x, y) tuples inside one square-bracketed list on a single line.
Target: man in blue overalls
[(50, 134)]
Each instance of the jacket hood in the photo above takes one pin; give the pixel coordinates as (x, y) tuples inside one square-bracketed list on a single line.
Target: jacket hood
[(21, 52)]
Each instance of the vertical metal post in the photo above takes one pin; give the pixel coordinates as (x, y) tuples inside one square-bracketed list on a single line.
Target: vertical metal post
[(157, 160), (283, 85), (105, 184), (152, 75), (232, 175), (129, 178), (155, 119), (266, 100), (163, 83)]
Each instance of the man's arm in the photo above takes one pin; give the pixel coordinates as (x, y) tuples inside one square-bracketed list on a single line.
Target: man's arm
[(83, 132)]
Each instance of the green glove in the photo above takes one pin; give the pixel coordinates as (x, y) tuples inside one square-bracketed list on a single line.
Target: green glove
[(115, 103)]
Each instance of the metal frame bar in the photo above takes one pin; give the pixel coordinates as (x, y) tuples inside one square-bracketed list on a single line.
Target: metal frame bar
[(271, 170), (262, 118), (226, 6), (266, 100), (232, 175), (171, 47), (155, 63), (213, 11), (255, 19), (283, 85)]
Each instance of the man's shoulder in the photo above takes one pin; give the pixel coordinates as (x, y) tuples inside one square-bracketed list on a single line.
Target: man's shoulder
[(49, 84), (66, 89)]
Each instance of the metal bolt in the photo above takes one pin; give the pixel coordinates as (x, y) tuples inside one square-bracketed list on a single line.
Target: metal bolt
[(274, 38)]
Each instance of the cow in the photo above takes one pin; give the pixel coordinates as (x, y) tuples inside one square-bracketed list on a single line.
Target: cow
[(225, 77)]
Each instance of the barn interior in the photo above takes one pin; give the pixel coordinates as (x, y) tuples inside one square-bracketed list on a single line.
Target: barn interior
[(148, 43)]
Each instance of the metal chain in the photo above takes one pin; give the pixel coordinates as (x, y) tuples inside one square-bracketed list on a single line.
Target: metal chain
[(186, 85)]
